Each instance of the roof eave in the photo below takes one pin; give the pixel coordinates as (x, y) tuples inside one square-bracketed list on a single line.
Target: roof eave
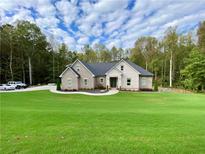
[(84, 66), (71, 70), (146, 75)]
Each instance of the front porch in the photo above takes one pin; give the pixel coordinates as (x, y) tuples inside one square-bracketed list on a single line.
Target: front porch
[(113, 82), (113, 79)]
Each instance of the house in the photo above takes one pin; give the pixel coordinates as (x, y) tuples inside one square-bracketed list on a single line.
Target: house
[(121, 74)]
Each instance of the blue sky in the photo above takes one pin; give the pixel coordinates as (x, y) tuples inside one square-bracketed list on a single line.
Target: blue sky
[(109, 22)]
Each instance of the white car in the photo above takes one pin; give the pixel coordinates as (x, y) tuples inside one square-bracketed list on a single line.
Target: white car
[(17, 84), (7, 87)]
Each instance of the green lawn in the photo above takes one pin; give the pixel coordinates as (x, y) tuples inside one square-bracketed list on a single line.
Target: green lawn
[(43, 122)]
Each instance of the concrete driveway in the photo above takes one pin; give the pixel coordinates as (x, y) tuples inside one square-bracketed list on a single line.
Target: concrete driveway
[(52, 89), (35, 88)]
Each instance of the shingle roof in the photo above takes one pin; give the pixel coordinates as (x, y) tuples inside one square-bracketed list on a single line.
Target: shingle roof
[(69, 67), (99, 69), (139, 69)]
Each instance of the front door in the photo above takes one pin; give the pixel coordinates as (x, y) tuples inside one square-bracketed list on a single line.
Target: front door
[(113, 82)]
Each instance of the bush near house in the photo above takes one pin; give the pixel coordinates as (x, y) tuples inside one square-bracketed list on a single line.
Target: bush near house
[(156, 85), (58, 85)]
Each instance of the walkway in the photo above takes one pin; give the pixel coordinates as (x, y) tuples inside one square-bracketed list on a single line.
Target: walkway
[(53, 90)]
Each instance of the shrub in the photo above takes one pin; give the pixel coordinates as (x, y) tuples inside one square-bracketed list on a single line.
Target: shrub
[(58, 85), (156, 86), (100, 87)]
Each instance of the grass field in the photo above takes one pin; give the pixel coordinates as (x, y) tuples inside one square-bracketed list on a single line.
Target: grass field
[(43, 122)]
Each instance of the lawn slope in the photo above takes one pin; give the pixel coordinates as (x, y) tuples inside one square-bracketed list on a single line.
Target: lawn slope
[(43, 122)]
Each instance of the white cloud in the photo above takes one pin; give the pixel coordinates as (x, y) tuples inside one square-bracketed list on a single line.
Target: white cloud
[(96, 41), (83, 40), (9, 5), (86, 7), (103, 11), (21, 14), (114, 42), (97, 30), (105, 21), (70, 42), (47, 22), (116, 24), (45, 8), (106, 6), (68, 11), (155, 18)]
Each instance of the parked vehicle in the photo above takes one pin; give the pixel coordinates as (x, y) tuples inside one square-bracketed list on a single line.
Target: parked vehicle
[(1, 87), (17, 84), (7, 87)]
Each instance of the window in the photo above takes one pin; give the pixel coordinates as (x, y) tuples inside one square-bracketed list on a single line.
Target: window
[(143, 82), (85, 82), (121, 68), (78, 68), (129, 82), (101, 80), (69, 82)]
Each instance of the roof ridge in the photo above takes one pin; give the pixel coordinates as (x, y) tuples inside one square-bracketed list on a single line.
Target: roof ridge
[(103, 62), (100, 68)]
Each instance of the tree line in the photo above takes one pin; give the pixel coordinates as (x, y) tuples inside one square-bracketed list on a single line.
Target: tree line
[(175, 60)]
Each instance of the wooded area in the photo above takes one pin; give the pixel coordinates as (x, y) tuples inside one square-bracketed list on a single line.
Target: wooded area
[(176, 60)]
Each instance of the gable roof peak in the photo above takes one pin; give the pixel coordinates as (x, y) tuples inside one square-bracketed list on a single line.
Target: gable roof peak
[(101, 68)]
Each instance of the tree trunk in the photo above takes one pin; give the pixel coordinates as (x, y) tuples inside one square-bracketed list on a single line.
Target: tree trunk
[(30, 70), (22, 65), (155, 76), (173, 69), (23, 74), (170, 72), (162, 73), (53, 68), (11, 59), (165, 71), (146, 65)]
